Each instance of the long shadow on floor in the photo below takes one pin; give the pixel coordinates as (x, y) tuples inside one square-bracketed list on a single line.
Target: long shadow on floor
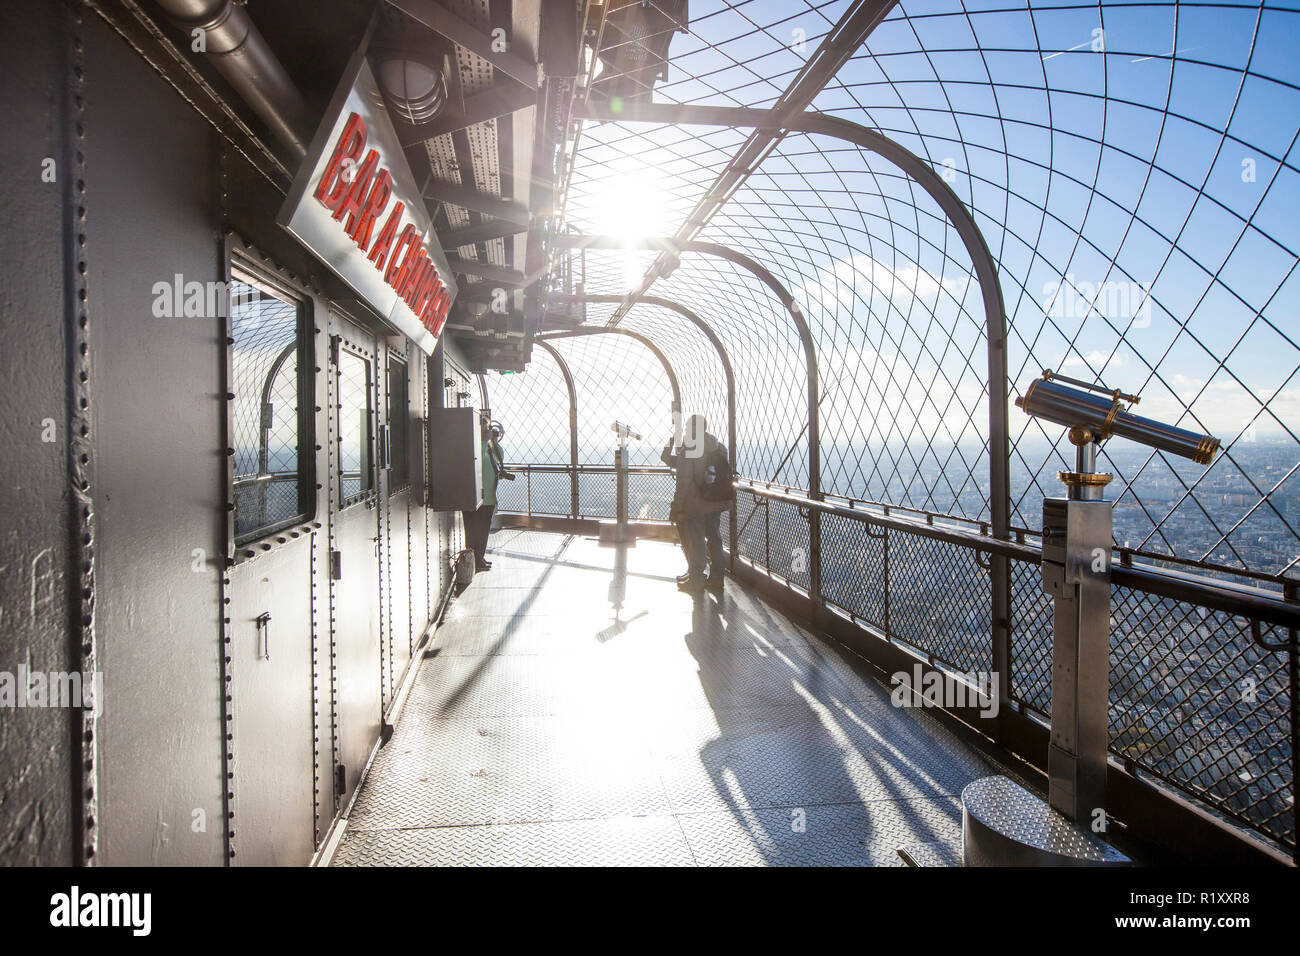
[(811, 772)]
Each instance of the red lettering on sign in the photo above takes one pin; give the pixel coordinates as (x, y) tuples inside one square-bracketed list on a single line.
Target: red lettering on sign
[(375, 204), (415, 276), (384, 241), (413, 250), (332, 185), (440, 308), (394, 261), (428, 285), (356, 196), (362, 193), (415, 279)]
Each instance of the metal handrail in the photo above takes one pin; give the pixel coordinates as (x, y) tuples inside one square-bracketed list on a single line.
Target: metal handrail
[(1257, 604), (588, 469), (1266, 606)]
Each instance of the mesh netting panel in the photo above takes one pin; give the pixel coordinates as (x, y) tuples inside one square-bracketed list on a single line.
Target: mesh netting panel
[(533, 405), (1130, 167), (617, 379)]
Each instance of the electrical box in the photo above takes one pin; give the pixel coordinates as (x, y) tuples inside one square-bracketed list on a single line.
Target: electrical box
[(455, 460)]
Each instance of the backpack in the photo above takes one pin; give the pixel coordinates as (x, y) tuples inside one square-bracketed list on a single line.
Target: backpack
[(718, 476)]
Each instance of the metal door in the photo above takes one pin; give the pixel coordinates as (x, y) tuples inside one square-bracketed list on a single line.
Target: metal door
[(272, 430), (354, 550)]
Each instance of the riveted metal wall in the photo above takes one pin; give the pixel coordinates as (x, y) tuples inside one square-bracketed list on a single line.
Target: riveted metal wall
[(152, 178), (38, 570), (220, 737)]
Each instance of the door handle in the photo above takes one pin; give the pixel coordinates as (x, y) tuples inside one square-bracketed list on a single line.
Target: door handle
[(264, 635)]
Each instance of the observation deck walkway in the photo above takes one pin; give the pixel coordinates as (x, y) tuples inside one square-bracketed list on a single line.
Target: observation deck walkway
[(576, 709)]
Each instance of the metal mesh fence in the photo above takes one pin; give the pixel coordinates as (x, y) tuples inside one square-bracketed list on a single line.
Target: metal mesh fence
[(533, 405), (1130, 167), (1197, 702), (617, 379)]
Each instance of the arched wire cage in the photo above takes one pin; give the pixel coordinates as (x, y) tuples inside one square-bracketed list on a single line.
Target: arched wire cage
[(866, 267)]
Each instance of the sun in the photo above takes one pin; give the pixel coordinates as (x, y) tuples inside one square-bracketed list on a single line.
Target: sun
[(632, 204)]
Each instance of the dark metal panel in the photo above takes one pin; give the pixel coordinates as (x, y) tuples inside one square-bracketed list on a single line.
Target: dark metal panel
[(38, 807), (418, 539), (398, 587), (151, 168), (396, 502)]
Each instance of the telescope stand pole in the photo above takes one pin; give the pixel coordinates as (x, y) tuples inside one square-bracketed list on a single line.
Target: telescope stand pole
[(618, 531), (620, 487), (1076, 572)]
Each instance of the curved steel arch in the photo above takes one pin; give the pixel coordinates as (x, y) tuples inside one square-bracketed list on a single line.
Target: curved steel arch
[(986, 272), (554, 353), (708, 332), (654, 349), (263, 456), (766, 277), (923, 174), (723, 358)]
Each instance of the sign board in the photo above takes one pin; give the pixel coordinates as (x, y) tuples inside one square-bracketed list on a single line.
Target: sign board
[(356, 206)]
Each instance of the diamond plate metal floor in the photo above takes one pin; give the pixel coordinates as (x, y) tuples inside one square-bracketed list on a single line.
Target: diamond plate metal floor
[(579, 710)]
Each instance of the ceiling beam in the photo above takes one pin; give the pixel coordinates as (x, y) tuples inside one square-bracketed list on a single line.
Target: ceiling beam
[(680, 114), (499, 100), (483, 232), (475, 201), (442, 21), (497, 274)]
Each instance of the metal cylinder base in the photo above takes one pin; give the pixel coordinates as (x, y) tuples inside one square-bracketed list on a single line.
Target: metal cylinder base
[(1003, 824)]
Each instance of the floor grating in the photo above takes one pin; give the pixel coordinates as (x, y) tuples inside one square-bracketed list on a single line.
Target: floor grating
[(579, 710)]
